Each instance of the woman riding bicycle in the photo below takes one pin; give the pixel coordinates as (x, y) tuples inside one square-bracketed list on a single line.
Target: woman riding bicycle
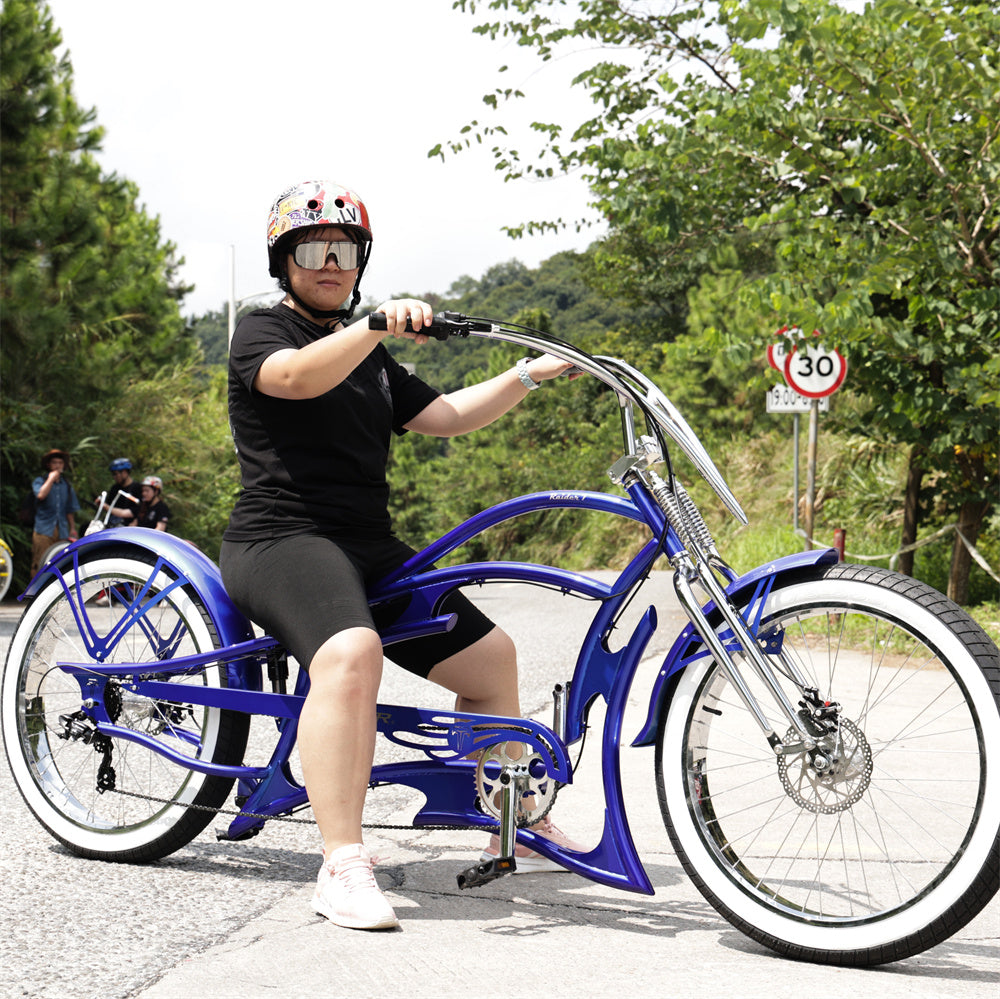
[(312, 404)]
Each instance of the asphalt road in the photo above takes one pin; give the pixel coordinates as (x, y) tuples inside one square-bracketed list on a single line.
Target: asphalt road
[(232, 919)]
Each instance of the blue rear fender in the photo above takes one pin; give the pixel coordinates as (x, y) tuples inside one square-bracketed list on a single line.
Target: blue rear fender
[(180, 558), (749, 590)]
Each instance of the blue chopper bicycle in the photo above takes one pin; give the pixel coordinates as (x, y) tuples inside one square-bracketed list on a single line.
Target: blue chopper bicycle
[(826, 736)]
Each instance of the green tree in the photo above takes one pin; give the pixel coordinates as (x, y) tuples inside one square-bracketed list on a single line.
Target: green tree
[(212, 330), (558, 438), (862, 145), (89, 284), (90, 316)]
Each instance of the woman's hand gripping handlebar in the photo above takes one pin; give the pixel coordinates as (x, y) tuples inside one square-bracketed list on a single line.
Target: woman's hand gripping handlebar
[(445, 325)]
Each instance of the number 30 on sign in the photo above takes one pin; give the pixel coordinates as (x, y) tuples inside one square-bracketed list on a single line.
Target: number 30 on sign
[(814, 372)]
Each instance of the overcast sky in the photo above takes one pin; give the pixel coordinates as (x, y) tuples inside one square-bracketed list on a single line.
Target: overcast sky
[(213, 107)]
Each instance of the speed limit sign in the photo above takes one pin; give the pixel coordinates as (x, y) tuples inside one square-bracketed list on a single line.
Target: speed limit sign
[(815, 372), (777, 352)]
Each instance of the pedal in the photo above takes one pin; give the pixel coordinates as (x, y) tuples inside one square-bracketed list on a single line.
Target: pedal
[(486, 871), (223, 834)]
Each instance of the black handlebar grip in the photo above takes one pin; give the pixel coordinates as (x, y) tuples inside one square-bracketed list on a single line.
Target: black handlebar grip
[(440, 329)]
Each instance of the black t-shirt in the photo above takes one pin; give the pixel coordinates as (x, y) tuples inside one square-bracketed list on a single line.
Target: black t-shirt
[(119, 502), (314, 466), (151, 515)]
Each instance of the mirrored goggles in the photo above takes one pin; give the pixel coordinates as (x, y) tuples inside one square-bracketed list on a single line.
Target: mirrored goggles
[(313, 256)]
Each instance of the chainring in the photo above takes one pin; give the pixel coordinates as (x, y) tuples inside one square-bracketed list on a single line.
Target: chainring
[(535, 790)]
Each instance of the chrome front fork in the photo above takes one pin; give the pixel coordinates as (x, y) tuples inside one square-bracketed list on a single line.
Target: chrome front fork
[(683, 578), (694, 565)]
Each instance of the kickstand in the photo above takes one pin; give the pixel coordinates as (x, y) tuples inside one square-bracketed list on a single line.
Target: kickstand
[(489, 870)]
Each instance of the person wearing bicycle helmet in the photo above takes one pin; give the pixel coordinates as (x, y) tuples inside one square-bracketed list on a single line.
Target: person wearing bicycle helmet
[(313, 402), (117, 496), (297, 216), (152, 511)]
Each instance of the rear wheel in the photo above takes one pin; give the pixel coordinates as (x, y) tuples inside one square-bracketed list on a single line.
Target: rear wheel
[(881, 842), (118, 605)]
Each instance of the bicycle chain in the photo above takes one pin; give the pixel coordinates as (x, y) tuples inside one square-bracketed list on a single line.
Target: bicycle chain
[(288, 818), (284, 818)]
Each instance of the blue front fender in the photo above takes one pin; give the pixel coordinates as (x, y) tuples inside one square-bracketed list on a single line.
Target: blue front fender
[(180, 557), (749, 590)]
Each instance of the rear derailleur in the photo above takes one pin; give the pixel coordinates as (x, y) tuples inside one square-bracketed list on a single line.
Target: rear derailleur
[(79, 727)]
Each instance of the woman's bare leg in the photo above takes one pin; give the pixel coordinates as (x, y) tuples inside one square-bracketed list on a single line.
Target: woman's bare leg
[(483, 676), (337, 732)]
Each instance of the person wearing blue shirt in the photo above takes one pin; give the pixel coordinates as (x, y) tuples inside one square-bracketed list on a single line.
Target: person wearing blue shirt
[(55, 508)]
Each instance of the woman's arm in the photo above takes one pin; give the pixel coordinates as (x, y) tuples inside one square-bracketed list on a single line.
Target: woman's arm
[(477, 406), (312, 370)]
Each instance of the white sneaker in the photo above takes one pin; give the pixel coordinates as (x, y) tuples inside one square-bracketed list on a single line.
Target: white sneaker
[(347, 893)]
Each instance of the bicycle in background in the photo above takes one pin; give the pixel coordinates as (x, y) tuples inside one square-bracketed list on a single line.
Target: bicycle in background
[(6, 568)]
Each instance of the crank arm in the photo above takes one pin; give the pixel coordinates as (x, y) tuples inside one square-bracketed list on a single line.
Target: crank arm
[(489, 870)]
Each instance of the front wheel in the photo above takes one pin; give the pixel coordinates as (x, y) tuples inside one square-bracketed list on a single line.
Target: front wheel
[(883, 840), (102, 797)]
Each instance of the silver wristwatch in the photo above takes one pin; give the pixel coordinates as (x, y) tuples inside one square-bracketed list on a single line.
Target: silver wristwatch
[(522, 372)]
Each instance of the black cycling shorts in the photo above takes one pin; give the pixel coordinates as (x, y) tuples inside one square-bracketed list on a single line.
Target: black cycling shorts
[(303, 590)]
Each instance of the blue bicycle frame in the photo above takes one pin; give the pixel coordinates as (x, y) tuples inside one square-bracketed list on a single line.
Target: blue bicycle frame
[(445, 776), (446, 738)]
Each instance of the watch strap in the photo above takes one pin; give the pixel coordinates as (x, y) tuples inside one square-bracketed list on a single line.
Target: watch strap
[(522, 372)]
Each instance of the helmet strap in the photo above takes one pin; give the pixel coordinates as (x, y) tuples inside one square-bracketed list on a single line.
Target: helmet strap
[(331, 316)]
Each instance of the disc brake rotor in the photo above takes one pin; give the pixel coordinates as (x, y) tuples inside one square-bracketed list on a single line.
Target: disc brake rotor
[(838, 785), (534, 791)]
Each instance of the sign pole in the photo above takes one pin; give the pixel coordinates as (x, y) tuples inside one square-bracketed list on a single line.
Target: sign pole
[(812, 375), (795, 473), (811, 471)]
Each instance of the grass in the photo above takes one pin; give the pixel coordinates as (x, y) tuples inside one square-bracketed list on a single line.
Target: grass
[(857, 491), (987, 616)]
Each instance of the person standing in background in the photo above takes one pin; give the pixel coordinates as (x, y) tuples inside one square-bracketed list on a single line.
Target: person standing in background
[(152, 512), (56, 506)]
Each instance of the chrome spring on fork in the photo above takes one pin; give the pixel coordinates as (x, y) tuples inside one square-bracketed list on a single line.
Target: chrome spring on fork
[(696, 523), (683, 515)]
